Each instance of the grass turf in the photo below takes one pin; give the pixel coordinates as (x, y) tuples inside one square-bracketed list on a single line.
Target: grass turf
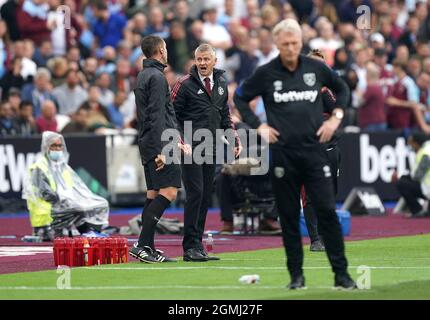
[(400, 269)]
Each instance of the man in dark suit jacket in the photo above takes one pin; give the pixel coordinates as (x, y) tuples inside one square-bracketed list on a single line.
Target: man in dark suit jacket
[(201, 97)]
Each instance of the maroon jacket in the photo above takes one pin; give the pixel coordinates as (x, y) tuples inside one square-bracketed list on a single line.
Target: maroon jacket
[(32, 28)]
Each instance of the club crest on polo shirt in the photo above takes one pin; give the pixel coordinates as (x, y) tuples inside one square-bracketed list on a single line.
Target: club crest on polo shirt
[(279, 172), (220, 91), (310, 79), (278, 85)]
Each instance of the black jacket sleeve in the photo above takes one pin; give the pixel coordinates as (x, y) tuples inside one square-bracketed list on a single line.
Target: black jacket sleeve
[(156, 109), (248, 90), (332, 80)]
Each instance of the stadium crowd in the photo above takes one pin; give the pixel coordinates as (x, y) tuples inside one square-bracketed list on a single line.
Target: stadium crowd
[(78, 74)]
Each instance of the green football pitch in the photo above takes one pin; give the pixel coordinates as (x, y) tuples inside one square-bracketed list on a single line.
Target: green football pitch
[(390, 268)]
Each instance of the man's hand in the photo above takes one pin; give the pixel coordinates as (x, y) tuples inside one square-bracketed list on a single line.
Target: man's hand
[(238, 150), (326, 131), (394, 177), (160, 162), (185, 148), (273, 133)]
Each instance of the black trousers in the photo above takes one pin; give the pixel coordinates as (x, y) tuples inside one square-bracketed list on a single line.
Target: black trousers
[(226, 197), (410, 190), (308, 209), (198, 182), (292, 168)]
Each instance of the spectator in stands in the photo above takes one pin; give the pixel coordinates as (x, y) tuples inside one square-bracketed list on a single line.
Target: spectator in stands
[(109, 26), (323, 8), (416, 185), (270, 16), (361, 58), (89, 71), (157, 26), (43, 53), (58, 67), (121, 79), (371, 112), (386, 76), (70, 95), (326, 42), (124, 50), (402, 99), (414, 67), (104, 83), (402, 53), (216, 35), (78, 123), (117, 119), (32, 19), (8, 14), (182, 11), (14, 99), (38, 92), (409, 36), (8, 124), (25, 121), (342, 61), (106, 62), (62, 38), (57, 198), (179, 46), (268, 50), (98, 116), (47, 121), (12, 78), (29, 67)]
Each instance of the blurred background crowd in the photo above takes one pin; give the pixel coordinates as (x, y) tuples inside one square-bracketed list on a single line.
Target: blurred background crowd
[(81, 78)]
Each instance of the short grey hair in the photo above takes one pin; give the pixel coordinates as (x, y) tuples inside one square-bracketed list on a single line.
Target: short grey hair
[(287, 25), (43, 72), (205, 47)]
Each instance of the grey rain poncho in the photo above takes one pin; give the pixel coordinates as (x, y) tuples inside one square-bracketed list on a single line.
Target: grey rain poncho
[(72, 202)]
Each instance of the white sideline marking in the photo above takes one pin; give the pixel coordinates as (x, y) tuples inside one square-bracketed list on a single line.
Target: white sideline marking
[(255, 286), (241, 268), (23, 251)]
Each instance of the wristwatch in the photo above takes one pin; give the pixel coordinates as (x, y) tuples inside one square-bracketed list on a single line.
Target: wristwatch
[(338, 114)]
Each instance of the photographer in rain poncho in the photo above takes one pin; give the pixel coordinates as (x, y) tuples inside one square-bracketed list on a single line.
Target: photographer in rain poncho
[(57, 199)]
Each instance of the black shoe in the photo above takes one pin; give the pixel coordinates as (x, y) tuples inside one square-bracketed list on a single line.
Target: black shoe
[(159, 255), (297, 283), (344, 282), (210, 258), (194, 255), (145, 254), (317, 246)]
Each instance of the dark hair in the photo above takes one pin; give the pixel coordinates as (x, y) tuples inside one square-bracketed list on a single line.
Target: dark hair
[(420, 137), (101, 5), (150, 45), (401, 64), (69, 71), (24, 104)]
